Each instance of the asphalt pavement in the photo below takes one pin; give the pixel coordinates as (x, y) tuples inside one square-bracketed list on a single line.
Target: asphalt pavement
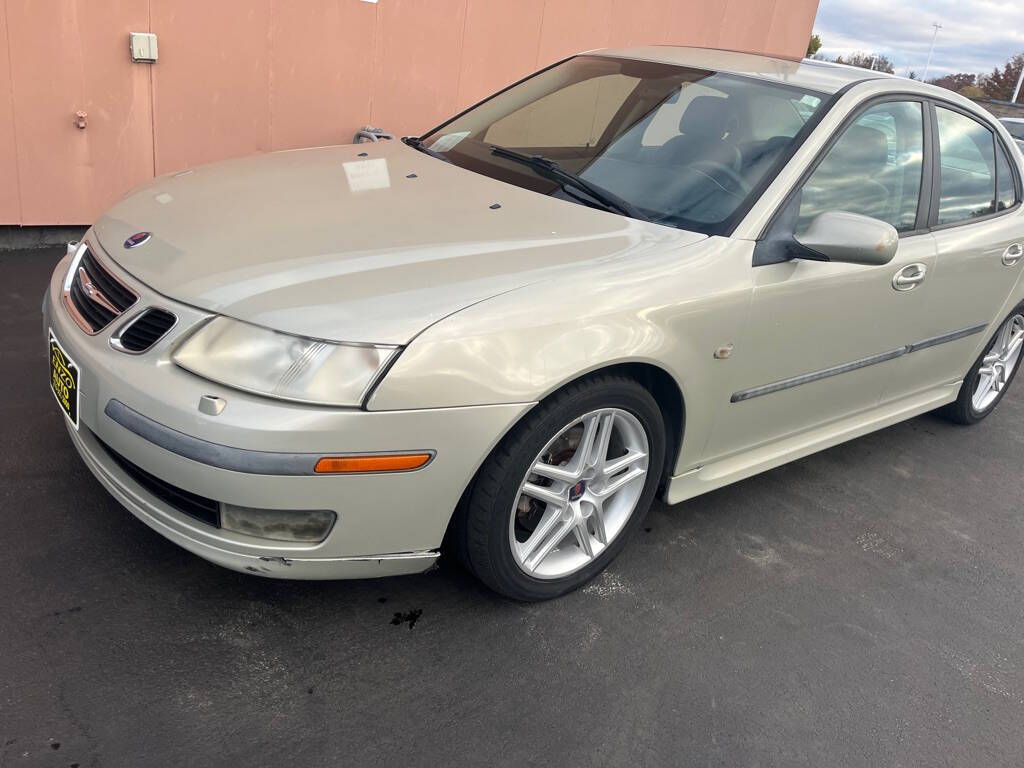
[(861, 607)]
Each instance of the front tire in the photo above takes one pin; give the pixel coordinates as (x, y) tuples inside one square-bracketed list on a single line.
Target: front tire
[(991, 374), (557, 500)]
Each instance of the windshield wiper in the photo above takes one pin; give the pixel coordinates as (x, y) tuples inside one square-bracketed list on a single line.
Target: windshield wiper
[(417, 143), (552, 170)]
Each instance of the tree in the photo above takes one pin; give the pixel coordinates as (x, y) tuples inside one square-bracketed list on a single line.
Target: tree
[(814, 46), (912, 75), (956, 82), (1000, 84), (876, 61)]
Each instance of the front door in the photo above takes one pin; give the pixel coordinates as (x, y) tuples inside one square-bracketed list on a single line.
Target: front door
[(822, 337)]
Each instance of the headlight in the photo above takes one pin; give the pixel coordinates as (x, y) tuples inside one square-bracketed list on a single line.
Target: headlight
[(279, 365)]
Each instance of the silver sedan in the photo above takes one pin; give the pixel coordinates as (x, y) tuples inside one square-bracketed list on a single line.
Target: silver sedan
[(637, 272)]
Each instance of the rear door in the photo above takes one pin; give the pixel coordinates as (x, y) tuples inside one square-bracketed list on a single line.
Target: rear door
[(979, 239)]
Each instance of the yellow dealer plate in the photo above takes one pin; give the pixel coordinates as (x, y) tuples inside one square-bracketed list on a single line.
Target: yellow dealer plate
[(64, 380)]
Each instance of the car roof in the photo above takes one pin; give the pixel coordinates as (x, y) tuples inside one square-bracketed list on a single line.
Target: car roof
[(821, 76), (1012, 119)]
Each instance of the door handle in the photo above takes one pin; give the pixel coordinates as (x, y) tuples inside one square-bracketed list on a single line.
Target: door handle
[(1012, 254), (909, 277)]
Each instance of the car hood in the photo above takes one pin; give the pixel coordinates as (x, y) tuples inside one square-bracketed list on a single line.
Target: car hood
[(367, 243)]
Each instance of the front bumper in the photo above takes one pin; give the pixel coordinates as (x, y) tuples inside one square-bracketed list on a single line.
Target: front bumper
[(387, 524)]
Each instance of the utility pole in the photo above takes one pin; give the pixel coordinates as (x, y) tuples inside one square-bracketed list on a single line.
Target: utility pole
[(924, 77), (1016, 91)]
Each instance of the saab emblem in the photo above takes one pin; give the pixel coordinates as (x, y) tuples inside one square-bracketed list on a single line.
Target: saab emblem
[(137, 239)]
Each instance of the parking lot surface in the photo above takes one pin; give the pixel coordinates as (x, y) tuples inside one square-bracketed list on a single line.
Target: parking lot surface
[(861, 607)]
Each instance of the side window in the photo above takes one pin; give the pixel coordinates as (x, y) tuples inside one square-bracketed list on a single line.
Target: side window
[(1006, 189), (967, 174), (874, 169)]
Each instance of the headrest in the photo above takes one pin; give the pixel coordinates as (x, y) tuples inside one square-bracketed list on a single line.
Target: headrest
[(860, 151), (706, 117)]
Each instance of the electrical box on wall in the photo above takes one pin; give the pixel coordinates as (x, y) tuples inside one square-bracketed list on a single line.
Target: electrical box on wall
[(143, 47)]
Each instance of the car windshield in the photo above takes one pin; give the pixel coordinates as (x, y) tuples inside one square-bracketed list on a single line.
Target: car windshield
[(675, 145), (1016, 129)]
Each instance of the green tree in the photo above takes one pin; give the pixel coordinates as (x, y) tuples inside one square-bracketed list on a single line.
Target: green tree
[(814, 46)]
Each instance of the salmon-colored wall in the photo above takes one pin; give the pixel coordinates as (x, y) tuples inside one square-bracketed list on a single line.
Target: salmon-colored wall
[(242, 76), (10, 205), (65, 57)]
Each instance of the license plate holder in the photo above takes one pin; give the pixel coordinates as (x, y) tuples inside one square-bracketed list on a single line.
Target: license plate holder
[(65, 380)]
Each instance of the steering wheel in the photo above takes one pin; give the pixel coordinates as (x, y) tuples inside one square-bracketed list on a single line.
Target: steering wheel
[(726, 177)]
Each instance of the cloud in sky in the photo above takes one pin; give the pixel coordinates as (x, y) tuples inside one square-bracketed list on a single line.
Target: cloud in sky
[(976, 35)]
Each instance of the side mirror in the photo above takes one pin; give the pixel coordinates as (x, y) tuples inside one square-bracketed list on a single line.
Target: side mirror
[(851, 238)]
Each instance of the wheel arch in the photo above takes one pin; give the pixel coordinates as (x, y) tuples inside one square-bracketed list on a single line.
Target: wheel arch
[(665, 390), (662, 386)]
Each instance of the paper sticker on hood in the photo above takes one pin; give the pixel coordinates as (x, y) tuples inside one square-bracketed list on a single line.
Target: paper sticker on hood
[(364, 175)]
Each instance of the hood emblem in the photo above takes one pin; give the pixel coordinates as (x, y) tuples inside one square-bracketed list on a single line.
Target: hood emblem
[(137, 239)]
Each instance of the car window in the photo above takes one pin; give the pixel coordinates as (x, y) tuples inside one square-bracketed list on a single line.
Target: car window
[(574, 116), (1016, 129), (1006, 187), (967, 178), (684, 147), (873, 169), (664, 123)]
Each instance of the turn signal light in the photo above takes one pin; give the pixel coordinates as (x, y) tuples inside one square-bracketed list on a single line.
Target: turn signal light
[(386, 462)]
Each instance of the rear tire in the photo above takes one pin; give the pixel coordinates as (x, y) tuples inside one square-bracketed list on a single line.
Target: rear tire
[(991, 374), (559, 497)]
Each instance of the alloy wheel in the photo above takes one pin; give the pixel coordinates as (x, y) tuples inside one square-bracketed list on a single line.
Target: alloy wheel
[(579, 493), (998, 364)]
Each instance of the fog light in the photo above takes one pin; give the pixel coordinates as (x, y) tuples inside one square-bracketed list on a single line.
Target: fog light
[(278, 524)]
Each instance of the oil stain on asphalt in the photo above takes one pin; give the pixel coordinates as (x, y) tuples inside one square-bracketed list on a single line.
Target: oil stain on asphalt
[(408, 617)]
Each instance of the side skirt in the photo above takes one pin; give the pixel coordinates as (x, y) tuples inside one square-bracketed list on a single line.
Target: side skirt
[(765, 457)]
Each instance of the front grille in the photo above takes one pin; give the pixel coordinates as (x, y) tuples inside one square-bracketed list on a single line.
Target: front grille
[(94, 295), (192, 504), (144, 331), (96, 316)]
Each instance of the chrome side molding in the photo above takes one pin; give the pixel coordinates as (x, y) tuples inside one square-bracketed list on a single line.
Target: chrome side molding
[(864, 362)]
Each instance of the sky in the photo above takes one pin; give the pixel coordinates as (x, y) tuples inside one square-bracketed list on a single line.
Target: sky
[(976, 35)]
